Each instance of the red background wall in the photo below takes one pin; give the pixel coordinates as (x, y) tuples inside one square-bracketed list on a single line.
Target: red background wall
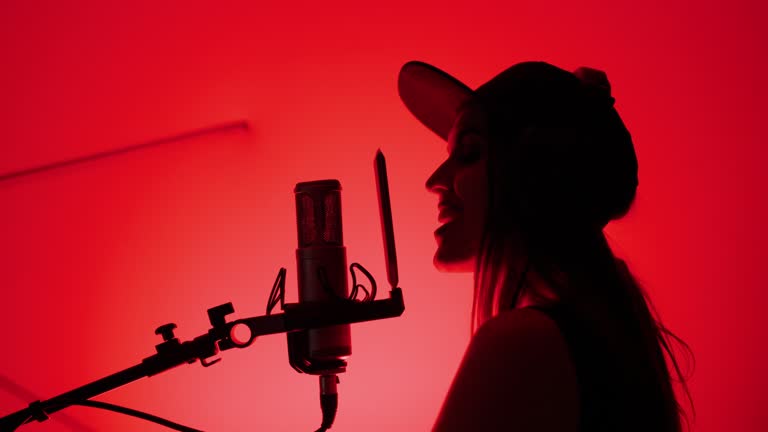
[(93, 257)]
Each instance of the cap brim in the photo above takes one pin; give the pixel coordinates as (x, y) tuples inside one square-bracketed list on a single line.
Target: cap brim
[(432, 95)]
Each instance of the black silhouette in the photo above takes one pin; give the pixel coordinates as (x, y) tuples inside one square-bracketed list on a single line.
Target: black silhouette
[(539, 162)]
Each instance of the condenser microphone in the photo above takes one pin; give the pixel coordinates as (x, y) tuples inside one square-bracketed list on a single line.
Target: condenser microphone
[(322, 278)]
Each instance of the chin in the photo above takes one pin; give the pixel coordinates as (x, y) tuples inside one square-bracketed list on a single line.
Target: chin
[(448, 264)]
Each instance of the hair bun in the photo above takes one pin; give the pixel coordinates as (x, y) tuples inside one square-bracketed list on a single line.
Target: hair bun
[(596, 82)]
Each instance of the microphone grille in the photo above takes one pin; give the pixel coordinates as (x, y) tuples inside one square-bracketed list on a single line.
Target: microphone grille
[(332, 218), (318, 213)]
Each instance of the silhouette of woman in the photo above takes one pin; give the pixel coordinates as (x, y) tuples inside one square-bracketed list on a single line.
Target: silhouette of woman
[(564, 339)]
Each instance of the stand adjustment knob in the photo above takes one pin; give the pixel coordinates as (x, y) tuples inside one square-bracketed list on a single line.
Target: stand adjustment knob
[(217, 315), (166, 331)]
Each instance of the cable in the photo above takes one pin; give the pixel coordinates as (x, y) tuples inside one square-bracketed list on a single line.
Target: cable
[(329, 404), (277, 295), (135, 413), (355, 285), (329, 400), (369, 296), (355, 289)]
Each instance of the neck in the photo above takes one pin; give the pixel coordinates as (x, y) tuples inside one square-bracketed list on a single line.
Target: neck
[(536, 291)]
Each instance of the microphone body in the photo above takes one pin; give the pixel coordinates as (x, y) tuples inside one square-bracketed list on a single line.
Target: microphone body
[(322, 277)]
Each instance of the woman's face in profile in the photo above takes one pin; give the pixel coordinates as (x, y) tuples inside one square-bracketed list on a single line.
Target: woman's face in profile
[(461, 183)]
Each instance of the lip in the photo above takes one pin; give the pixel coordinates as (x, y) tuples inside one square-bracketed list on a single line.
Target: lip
[(446, 202), (448, 214), (441, 229)]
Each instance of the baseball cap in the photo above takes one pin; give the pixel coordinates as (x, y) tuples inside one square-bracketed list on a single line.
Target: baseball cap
[(536, 93)]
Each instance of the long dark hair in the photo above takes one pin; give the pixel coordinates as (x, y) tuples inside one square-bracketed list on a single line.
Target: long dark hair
[(547, 208)]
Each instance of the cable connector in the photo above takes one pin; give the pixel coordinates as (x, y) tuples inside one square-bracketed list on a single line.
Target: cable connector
[(329, 400)]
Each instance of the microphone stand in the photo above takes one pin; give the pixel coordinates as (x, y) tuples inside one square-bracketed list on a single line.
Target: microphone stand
[(172, 353)]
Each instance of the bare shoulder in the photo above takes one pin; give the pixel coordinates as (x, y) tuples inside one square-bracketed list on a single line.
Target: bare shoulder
[(516, 373), (520, 322), (516, 329), (525, 345)]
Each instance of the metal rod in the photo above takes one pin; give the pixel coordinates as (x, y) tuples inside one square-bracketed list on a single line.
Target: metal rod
[(223, 127)]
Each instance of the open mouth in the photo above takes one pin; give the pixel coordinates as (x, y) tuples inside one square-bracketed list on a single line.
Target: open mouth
[(442, 228), (447, 214)]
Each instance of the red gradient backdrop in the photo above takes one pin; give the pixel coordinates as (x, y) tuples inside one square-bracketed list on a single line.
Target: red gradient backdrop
[(93, 257)]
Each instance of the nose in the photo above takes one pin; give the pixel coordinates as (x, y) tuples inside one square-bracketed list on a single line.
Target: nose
[(440, 179)]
